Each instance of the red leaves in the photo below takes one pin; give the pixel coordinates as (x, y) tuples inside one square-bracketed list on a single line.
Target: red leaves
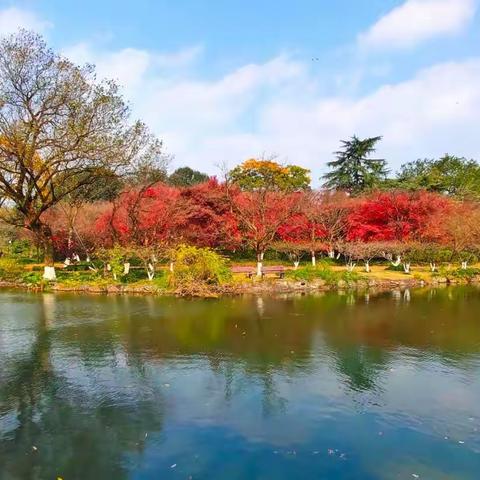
[(221, 216), (260, 214), (394, 216)]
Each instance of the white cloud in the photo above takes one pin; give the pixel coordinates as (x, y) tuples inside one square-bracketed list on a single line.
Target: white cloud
[(12, 19), (278, 107), (130, 66), (416, 21), (273, 108), (180, 59)]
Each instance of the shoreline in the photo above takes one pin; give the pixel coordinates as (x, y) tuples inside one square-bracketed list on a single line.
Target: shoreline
[(265, 287)]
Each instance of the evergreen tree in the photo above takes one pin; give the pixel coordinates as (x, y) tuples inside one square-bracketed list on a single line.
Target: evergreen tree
[(353, 170), (187, 177)]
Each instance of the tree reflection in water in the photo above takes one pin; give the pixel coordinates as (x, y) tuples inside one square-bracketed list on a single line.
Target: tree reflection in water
[(92, 382)]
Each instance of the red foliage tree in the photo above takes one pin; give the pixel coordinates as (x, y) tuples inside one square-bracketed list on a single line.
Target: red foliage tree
[(458, 229), (209, 220), (142, 216), (394, 216), (260, 214)]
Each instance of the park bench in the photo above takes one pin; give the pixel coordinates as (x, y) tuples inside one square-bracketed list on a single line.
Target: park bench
[(276, 269), (251, 271), (248, 271)]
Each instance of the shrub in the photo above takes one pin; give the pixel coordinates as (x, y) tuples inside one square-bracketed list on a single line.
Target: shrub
[(10, 269), (465, 273), (198, 271), (324, 272), (310, 273), (20, 248), (33, 278), (396, 268)]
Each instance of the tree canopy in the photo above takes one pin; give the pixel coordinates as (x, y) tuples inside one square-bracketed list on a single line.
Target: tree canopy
[(450, 175), (353, 170), (60, 131), (186, 177), (262, 174)]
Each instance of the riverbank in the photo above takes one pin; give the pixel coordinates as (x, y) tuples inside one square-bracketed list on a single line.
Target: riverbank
[(241, 286)]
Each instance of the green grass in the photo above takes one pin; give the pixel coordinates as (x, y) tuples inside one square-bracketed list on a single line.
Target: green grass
[(324, 272)]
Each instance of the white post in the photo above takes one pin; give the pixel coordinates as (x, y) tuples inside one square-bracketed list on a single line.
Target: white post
[(126, 268), (314, 260), (49, 274), (150, 271), (259, 264), (171, 266)]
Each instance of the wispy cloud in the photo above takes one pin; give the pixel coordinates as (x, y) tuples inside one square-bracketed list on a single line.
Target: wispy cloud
[(279, 106), (12, 19), (416, 21), (130, 66)]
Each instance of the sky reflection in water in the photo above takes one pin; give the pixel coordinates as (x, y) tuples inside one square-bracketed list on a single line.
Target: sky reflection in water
[(332, 386)]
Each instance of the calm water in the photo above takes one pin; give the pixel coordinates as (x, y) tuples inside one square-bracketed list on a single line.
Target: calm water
[(307, 387)]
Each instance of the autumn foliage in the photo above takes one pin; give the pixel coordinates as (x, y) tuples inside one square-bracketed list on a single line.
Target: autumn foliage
[(227, 218)]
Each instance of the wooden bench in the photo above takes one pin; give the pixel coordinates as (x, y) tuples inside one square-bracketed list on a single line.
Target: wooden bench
[(248, 271), (278, 270), (251, 271)]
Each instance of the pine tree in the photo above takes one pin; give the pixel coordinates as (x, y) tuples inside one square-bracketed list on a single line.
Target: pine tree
[(353, 170)]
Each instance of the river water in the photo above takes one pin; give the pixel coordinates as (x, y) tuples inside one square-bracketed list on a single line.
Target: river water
[(327, 386)]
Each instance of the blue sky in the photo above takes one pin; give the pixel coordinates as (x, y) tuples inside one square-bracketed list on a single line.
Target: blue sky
[(221, 81)]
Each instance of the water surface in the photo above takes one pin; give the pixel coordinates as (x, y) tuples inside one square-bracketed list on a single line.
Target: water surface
[(330, 387)]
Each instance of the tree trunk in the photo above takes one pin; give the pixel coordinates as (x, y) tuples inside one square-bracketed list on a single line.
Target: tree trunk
[(314, 260), (150, 271), (259, 263), (44, 235), (296, 264), (397, 262), (367, 266), (47, 241), (406, 267)]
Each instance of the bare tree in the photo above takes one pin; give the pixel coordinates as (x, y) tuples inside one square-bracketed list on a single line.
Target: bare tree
[(60, 130)]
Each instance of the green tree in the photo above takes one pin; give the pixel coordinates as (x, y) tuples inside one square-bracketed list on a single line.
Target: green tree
[(450, 175), (353, 170), (186, 177), (60, 131), (255, 175)]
